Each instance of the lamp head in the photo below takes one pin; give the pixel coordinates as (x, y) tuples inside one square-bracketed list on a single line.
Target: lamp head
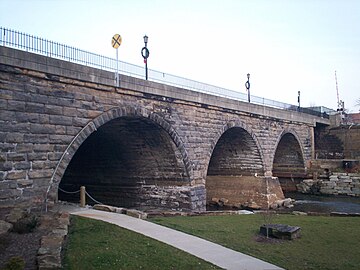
[(146, 39), (248, 76)]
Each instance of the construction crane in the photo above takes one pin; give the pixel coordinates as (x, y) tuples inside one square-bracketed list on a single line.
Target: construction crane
[(340, 103)]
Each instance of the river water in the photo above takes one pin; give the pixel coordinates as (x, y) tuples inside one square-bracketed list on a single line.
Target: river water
[(324, 204)]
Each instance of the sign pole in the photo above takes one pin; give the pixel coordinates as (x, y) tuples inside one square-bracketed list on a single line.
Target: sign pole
[(117, 69), (115, 43)]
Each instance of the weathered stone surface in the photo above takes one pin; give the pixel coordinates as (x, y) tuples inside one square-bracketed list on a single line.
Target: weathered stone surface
[(335, 184), (136, 213), (197, 138), (49, 254), (109, 208), (15, 215), (5, 227), (299, 213)]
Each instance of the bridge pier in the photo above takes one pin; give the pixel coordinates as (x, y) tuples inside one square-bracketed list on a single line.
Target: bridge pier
[(240, 191)]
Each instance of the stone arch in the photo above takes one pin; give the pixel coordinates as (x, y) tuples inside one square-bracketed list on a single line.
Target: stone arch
[(235, 170), (288, 155), (230, 125), (98, 122)]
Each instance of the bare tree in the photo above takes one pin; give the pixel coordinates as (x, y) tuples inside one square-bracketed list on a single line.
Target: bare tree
[(357, 102)]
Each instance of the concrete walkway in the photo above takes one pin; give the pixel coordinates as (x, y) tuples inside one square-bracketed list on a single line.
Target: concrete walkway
[(208, 251)]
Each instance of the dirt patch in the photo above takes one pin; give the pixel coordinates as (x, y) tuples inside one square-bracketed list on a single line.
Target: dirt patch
[(270, 240), (23, 245)]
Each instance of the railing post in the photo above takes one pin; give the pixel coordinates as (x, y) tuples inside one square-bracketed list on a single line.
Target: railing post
[(82, 196)]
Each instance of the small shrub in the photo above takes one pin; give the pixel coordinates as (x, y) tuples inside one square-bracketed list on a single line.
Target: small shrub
[(15, 263), (268, 218), (26, 224)]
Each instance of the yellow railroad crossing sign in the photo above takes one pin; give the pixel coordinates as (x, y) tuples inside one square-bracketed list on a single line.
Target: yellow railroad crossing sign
[(116, 41)]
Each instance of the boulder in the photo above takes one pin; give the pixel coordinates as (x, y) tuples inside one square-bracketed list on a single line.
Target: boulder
[(222, 202), (299, 213), (136, 214), (109, 208), (5, 227), (15, 215), (244, 212), (288, 203), (251, 205), (273, 206)]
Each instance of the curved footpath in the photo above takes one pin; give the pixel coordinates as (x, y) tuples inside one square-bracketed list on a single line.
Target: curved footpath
[(208, 251)]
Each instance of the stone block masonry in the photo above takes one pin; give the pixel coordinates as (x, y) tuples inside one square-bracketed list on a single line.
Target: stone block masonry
[(336, 184), (66, 124)]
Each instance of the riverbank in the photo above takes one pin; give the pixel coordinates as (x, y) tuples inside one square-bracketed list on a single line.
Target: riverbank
[(324, 203)]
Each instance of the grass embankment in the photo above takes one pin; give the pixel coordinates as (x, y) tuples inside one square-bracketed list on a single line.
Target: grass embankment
[(325, 243), (95, 244)]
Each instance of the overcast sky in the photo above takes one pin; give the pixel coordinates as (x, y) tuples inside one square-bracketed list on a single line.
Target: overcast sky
[(286, 45)]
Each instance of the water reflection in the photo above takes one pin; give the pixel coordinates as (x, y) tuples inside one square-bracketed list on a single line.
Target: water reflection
[(324, 204)]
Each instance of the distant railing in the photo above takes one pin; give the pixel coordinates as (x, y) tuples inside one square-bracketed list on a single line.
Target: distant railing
[(26, 42)]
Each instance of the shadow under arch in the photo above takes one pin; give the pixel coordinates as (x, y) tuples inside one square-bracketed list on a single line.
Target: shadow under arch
[(243, 137), (113, 142), (288, 160), (236, 171)]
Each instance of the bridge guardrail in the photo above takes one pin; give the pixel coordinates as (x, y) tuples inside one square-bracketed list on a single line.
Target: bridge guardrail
[(30, 43)]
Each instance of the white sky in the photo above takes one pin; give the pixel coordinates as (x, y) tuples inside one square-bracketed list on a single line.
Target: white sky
[(285, 45)]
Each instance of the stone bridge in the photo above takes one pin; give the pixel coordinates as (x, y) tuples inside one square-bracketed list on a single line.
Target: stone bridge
[(144, 145)]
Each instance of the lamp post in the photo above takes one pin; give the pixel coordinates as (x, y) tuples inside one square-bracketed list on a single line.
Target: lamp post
[(247, 85), (299, 101), (145, 54)]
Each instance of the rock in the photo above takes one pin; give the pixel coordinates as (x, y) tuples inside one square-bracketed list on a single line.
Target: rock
[(288, 203), (46, 262), (308, 182), (103, 207), (49, 254), (5, 227), (299, 213), (280, 231), (279, 203), (273, 206), (15, 215), (109, 208), (245, 212), (339, 214), (222, 202), (136, 214), (251, 205)]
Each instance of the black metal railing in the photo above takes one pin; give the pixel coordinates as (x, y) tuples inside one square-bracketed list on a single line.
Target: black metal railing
[(30, 43)]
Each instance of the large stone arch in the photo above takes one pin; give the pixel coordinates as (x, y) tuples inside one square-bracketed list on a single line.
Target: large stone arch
[(288, 159), (100, 121), (236, 169), (230, 125)]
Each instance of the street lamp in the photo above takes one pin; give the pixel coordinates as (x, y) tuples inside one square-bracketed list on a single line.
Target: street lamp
[(247, 85), (298, 100), (145, 54)]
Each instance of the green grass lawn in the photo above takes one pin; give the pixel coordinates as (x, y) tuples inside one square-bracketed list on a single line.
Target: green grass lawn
[(95, 244), (325, 243)]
